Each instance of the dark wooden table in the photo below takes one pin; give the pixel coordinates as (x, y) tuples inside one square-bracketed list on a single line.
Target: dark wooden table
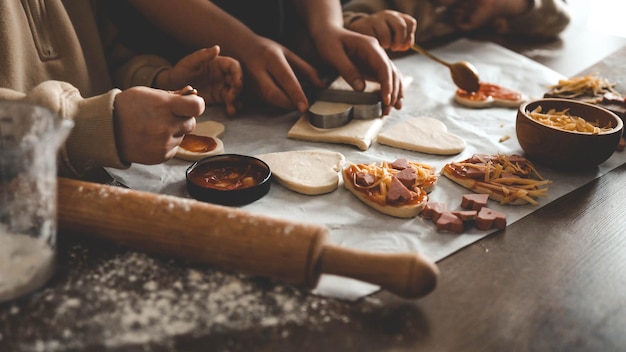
[(553, 281)]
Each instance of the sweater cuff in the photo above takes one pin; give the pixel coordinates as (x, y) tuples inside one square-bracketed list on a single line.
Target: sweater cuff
[(92, 141), (349, 17), (140, 71)]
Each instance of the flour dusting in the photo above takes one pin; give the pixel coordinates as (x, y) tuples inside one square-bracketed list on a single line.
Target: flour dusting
[(135, 299), (25, 264)]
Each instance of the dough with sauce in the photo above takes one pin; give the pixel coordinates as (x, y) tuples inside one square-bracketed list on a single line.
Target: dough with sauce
[(309, 172), (207, 128), (491, 101), (422, 134)]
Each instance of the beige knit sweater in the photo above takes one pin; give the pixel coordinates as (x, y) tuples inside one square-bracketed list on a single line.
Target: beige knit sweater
[(52, 55), (546, 18)]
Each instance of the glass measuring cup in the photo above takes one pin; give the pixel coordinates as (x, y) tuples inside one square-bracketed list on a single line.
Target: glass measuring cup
[(30, 137)]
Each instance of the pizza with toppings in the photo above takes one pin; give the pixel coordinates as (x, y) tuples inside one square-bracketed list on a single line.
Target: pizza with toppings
[(399, 188), (509, 179)]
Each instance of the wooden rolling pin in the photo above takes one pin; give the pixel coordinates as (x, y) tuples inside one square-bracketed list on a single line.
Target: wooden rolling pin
[(231, 238)]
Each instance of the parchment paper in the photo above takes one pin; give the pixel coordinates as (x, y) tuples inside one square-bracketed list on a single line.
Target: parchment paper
[(355, 225)]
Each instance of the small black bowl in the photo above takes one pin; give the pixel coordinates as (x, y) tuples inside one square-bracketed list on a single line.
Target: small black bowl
[(228, 179)]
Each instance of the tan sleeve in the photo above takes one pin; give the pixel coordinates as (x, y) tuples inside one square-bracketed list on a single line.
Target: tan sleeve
[(128, 68), (140, 70), (91, 142), (546, 19), (366, 6), (355, 9)]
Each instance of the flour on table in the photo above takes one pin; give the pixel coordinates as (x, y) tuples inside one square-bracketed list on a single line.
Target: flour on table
[(134, 300)]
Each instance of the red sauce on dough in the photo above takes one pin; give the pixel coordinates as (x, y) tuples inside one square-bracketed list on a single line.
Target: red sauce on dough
[(198, 144), (459, 170), (487, 90), (227, 176)]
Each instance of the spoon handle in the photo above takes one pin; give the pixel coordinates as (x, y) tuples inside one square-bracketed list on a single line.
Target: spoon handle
[(423, 51)]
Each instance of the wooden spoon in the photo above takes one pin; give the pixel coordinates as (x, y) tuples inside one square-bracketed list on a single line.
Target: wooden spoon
[(463, 73)]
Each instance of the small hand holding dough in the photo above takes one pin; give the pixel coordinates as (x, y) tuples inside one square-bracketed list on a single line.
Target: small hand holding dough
[(422, 134), (209, 129), (308, 172)]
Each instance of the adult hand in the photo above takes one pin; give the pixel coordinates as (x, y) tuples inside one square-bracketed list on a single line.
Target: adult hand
[(359, 57), (218, 79), (150, 123), (272, 72), (394, 30)]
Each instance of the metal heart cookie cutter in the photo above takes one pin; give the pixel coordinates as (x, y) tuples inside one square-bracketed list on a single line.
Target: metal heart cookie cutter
[(335, 108)]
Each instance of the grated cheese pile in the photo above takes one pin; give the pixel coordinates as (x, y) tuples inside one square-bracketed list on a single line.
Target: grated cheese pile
[(565, 121), (579, 86)]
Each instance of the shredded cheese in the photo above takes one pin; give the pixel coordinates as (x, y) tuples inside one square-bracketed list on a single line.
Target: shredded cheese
[(589, 85), (565, 121)]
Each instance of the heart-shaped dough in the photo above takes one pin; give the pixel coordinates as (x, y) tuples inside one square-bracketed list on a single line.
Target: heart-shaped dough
[(490, 95), (210, 129), (359, 133), (308, 172), (422, 134)]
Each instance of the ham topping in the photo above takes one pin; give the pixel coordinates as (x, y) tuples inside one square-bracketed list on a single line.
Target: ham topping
[(365, 179), (474, 201), (400, 164), (398, 192), (433, 210), (408, 177), (489, 218)]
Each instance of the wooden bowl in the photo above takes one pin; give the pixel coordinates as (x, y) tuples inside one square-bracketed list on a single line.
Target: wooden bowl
[(228, 179), (567, 149)]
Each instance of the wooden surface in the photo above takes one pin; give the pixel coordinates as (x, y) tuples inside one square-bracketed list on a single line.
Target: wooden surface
[(553, 281)]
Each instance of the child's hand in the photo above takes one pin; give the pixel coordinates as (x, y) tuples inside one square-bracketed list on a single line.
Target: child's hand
[(272, 73), (218, 79), (394, 30), (476, 14), (150, 123)]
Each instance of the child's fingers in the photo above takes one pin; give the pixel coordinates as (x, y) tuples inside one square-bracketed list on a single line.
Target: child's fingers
[(200, 58)]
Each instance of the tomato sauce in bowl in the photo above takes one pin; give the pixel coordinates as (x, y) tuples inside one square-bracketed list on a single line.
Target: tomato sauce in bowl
[(228, 179)]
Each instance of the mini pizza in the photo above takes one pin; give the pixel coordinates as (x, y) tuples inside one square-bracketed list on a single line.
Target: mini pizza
[(399, 188), (202, 142), (508, 179), (309, 172), (489, 95), (422, 134)]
